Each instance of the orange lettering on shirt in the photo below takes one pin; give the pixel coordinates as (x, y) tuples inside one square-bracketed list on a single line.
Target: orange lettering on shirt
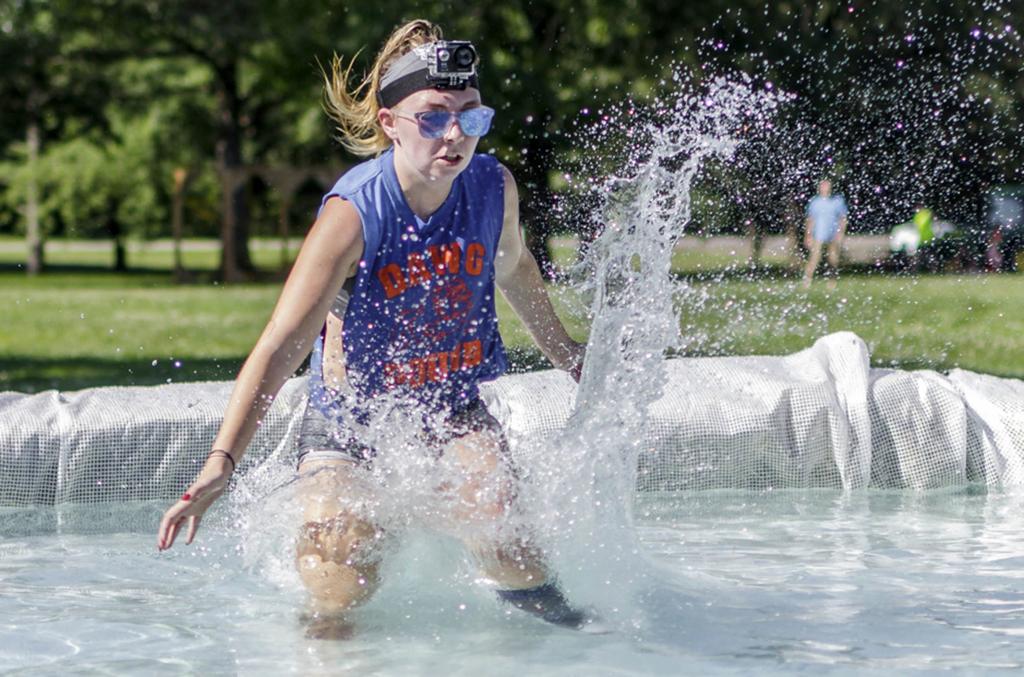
[(392, 279), (392, 374), (472, 354), (446, 258), (475, 258), (418, 273), (418, 367), (433, 367), (437, 366)]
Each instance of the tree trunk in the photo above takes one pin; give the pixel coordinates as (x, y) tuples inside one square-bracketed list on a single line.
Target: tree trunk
[(33, 236), (181, 176), (284, 227), (756, 234), (287, 181), (234, 235), (115, 231)]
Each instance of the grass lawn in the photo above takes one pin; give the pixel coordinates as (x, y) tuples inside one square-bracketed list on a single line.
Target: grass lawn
[(157, 256), (934, 322), (82, 326)]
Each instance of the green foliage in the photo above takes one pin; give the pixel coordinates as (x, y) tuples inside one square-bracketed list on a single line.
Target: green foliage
[(238, 82), (87, 183)]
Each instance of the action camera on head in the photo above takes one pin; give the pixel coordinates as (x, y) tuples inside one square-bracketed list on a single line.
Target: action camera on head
[(451, 62)]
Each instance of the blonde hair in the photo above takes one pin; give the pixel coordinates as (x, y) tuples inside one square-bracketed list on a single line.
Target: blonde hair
[(354, 111)]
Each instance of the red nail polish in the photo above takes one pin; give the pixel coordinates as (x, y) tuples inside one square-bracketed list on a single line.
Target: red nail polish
[(186, 496)]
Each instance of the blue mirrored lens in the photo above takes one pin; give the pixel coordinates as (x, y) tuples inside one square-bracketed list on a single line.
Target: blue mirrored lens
[(434, 124), (474, 122)]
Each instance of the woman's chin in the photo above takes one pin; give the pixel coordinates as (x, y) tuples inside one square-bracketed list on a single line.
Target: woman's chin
[(444, 168)]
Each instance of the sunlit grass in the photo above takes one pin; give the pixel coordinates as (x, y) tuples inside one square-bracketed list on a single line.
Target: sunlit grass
[(77, 328), (934, 321), (198, 255)]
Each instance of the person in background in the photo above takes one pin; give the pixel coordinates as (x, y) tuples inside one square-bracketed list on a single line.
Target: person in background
[(994, 250), (924, 256), (923, 219), (826, 227)]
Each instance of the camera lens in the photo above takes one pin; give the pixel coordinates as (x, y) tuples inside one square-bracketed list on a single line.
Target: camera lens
[(464, 57)]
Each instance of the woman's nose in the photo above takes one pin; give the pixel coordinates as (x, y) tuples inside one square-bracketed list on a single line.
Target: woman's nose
[(454, 130)]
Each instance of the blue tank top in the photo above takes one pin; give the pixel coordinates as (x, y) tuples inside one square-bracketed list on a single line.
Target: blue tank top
[(421, 320)]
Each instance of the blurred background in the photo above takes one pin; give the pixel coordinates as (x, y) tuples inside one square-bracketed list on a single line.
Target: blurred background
[(161, 161)]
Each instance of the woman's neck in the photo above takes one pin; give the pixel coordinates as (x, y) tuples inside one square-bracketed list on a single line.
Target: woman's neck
[(423, 195)]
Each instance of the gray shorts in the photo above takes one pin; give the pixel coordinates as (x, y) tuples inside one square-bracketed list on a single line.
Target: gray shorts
[(335, 437)]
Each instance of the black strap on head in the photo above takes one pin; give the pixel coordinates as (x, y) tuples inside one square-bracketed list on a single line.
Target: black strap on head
[(411, 73), (413, 82)]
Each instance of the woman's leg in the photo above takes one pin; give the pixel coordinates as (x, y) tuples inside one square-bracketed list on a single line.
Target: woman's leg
[(337, 551), (483, 499)]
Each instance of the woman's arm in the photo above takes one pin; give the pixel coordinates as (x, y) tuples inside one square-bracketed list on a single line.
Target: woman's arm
[(329, 255), (520, 282)]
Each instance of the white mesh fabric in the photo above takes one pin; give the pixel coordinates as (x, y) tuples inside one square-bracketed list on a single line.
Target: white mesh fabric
[(29, 448), (122, 444), (995, 412), (918, 431), (818, 418), (735, 422)]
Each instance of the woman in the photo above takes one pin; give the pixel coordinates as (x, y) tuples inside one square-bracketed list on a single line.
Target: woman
[(393, 291)]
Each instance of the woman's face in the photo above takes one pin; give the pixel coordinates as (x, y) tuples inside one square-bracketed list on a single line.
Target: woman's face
[(433, 159)]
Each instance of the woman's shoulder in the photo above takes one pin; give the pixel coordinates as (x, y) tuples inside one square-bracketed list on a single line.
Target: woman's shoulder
[(486, 167), (484, 162), (357, 177)]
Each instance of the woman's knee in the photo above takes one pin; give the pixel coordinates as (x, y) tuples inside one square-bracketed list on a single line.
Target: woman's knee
[(342, 540), (339, 560)]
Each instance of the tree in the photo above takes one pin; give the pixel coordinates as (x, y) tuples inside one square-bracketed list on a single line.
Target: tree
[(257, 55), (908, 102), (41, 92), (550, 66)]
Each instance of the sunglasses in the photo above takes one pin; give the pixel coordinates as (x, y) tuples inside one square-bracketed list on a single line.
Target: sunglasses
[(434, 124)]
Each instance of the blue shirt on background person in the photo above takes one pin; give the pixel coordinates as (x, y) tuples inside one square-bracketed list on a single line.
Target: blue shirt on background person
[(825, 213), (826, 226)]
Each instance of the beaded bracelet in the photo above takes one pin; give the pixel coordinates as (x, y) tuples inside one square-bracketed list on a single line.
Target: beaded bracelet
[(222, 451)]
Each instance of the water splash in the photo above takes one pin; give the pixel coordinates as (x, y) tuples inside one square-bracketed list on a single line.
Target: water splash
[(575, 498), (583, 483)]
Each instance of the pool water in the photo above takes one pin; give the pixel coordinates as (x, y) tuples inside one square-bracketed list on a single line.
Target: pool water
[(724, 583)]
